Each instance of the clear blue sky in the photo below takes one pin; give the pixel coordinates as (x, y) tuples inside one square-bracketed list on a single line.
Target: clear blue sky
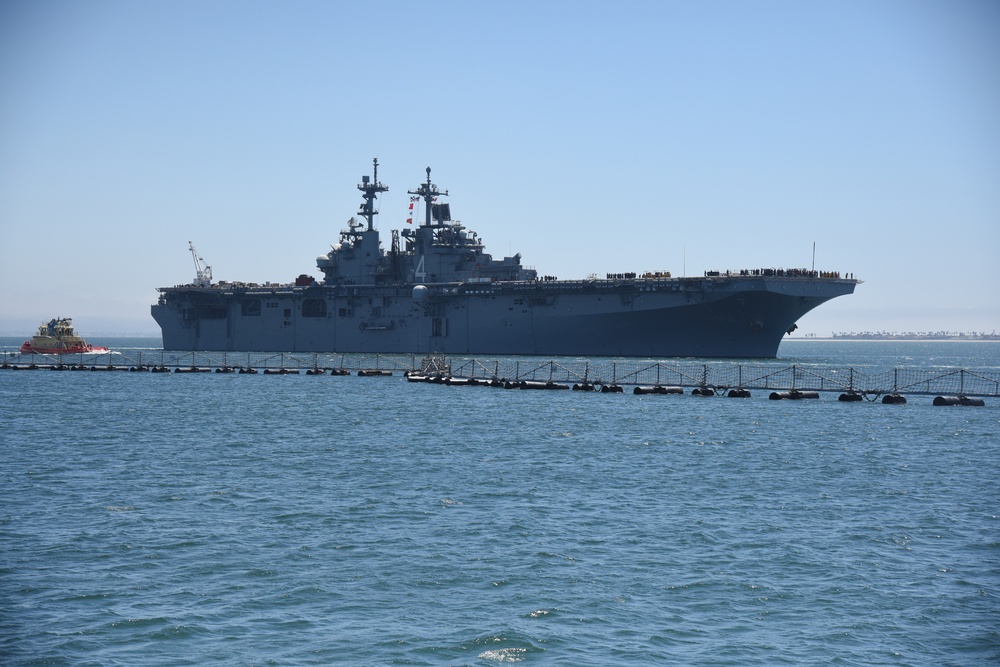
[(591, 137)]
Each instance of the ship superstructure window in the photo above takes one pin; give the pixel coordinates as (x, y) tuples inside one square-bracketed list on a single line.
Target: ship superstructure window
[(314, 308), (250, 307)]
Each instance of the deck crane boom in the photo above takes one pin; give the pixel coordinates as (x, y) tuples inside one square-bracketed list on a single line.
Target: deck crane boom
[(203, 274)]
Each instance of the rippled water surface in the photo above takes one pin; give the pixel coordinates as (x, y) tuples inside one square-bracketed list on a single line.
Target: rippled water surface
[(232, 519)]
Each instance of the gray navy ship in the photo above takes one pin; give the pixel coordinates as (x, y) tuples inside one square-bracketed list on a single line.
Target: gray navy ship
[(437, 290)]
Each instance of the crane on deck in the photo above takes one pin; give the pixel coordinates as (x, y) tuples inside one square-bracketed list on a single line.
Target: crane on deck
[(203, 272)]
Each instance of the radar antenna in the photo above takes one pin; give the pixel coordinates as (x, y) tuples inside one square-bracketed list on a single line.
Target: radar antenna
[(428, 192), (370, 188), (203, 273)]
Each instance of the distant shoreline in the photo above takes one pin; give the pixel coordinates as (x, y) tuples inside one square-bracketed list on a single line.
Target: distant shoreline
[(986, 338)]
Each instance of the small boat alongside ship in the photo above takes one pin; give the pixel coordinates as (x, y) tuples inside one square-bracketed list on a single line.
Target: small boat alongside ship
[(57, 336)]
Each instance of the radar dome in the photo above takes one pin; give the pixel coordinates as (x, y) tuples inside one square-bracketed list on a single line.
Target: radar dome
[(419, 294)]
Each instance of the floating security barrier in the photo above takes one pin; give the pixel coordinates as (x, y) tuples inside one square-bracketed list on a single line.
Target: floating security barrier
[(460, 382), (793, 395), (958, 400), (531, 384), (952, 391), (434, 379), (658, 389)]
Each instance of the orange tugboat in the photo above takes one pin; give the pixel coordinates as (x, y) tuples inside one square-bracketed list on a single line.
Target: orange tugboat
[(58, 337)]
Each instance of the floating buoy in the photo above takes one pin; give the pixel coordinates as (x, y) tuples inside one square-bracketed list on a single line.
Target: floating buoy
[(850, 397), (894, 399), (658, 389), (533, 384), (612, 389), (248, 371), (793, 395), (374, 373), (315, 371), (584, 386), (739, 393), (703, 391), (958, 400)]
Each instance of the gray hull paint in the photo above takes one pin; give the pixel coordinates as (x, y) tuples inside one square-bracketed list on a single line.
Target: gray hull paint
[(436, 289), (703, 317)]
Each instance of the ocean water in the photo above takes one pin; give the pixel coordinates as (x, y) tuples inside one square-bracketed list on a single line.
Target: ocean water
[(163, 519)]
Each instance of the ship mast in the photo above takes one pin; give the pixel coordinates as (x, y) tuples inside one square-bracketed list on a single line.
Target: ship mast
[(370, 188), (428, 192)]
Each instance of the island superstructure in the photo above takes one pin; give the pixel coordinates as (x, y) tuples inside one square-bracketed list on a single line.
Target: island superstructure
[(437, 290)]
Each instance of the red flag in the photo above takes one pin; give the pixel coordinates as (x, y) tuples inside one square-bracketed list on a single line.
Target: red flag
[(409, 220)]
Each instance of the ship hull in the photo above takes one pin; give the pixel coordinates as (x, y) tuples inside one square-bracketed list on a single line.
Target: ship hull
[(27, 348), (49, 346), (733, 317)]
